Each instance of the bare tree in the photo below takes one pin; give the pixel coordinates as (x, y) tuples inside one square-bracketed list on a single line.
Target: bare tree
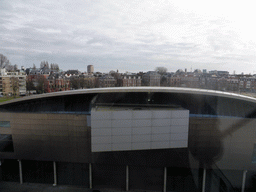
[(44, 65), (116, 75), (15, 67), (54, 66), (75, 84), (9, 68), (82, 82), (15, 85), (4, 61), (161, 70), (41, 85), (29, 85), (96, 82), (163, 81), (90, 82)]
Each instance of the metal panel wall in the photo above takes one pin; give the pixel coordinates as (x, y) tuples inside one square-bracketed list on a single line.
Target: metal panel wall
[(48, 137)]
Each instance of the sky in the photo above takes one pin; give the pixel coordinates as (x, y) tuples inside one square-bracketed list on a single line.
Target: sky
[(130, 35)]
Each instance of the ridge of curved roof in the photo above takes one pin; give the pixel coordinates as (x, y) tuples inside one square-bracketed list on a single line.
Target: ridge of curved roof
[(137, 89)]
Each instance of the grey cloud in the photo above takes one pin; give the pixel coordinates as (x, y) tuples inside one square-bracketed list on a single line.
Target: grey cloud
[(233, 57), (112, 55), (43, 24), (88, 29), (5, 6), (101, 39), (221, 41), (152, 43), (148, 38), (2, 21)]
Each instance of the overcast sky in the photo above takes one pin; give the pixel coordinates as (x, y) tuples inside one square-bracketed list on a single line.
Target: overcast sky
[(130, 35)]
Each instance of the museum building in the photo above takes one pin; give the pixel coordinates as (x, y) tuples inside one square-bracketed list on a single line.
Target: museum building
[(149, 138)]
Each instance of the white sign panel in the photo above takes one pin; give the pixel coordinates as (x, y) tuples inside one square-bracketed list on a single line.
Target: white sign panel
[(121, 130)]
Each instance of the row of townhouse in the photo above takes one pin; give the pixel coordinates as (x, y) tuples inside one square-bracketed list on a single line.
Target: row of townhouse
[(212, 81), (57, 82), (53, 80), (247, 83), (120, 80), (73, 79), (46, 81), (12, 83)]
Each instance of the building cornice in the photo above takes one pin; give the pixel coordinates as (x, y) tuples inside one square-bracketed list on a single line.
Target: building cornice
[(137, 89)]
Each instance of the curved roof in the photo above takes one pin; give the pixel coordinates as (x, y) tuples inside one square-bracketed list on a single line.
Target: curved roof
[(138, 89)]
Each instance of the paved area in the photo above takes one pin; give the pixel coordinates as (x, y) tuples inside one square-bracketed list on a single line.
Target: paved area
[(37, 187)]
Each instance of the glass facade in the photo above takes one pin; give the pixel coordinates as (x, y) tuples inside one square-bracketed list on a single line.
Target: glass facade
[(198, 105), (220, 154)]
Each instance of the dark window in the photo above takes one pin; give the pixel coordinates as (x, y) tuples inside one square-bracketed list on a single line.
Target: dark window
[(5, 124), (6, 143)]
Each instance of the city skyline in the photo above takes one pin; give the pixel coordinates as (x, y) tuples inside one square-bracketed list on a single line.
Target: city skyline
[(130, 36), (204, 70)]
